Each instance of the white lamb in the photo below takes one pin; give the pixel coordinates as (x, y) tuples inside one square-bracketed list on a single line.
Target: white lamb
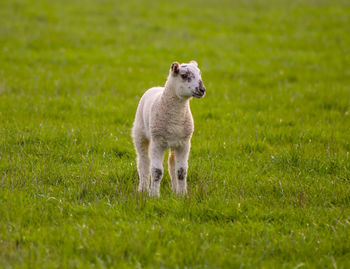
[(164, 120)]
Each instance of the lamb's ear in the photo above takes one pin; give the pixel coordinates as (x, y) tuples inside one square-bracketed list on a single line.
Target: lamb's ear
[(194, 62), (175, 68)]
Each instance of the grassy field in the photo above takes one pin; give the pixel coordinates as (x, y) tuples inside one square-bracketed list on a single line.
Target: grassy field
[(269, 171)]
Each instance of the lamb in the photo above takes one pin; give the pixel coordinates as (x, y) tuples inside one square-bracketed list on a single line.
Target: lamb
[(164, 121)]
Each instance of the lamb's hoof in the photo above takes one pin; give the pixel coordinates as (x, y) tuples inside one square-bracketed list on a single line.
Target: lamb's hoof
[(181, 192), (142, 188), (154, 194), (142, 191), (154, 190), (174, 189)]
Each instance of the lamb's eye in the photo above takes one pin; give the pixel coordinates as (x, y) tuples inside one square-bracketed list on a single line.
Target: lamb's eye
[(184, 76)]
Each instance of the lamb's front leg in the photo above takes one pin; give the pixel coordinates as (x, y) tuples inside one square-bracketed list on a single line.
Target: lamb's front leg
[(157, 153), (181, 165)]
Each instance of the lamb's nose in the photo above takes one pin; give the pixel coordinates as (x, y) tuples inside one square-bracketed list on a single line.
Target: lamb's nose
[(201, 87)]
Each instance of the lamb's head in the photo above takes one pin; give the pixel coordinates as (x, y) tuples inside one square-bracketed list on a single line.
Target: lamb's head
[(187, 80)]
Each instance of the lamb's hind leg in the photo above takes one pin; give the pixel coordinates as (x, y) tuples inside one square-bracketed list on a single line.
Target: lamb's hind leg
[(171, 168), (143, 162)]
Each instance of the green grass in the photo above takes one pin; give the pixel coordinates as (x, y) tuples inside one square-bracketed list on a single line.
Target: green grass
[(269, 171)]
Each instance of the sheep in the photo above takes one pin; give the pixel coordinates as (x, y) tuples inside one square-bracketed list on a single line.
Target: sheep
[(164, 121)]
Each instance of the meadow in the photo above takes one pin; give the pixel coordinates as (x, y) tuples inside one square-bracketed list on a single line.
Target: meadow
[(269, 169)]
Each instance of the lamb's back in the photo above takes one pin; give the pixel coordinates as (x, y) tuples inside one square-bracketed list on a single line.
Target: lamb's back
[(142, 119)]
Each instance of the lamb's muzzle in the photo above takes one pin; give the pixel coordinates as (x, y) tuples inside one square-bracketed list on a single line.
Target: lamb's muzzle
[(200, 90)]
